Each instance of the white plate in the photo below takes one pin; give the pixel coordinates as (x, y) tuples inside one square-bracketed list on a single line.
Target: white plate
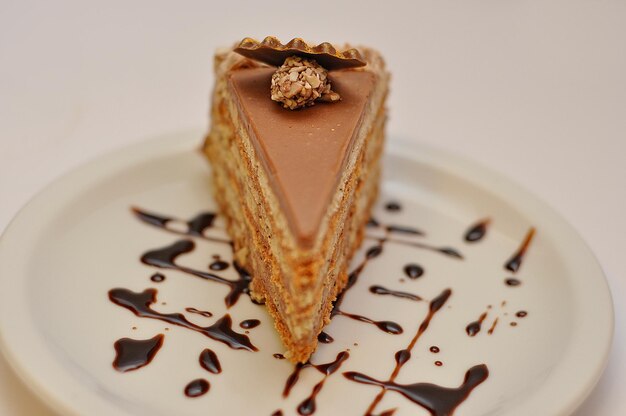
[(78, 239)]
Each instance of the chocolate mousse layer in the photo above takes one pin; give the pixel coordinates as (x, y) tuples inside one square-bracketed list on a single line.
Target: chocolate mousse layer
[(304, 151)]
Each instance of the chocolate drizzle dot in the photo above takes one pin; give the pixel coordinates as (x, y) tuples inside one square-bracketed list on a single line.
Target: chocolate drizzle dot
[(413, 271), (474, 327), (250, 323), (197, 388), (324, 338), (513, 282), (477, 231), (218, 265), (157, 277), (403, 356), (374, 251), (372, 223), (132, 354), (393, 206), (209, 361)]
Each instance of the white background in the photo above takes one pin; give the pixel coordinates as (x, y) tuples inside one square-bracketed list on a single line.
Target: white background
[(534, 90)]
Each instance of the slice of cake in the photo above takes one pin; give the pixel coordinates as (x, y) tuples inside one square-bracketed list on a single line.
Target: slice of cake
[(294, 145)]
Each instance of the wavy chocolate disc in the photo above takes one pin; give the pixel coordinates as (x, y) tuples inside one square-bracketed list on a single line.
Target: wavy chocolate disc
[(273, 52)]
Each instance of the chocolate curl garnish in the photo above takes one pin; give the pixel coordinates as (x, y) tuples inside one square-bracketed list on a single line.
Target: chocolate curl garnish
[(271, 51)]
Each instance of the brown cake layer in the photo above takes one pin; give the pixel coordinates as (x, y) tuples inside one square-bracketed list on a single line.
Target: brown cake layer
[(298, 278)]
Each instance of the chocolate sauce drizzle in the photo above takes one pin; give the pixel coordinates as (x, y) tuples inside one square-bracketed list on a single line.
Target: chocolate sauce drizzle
[(393, 206), (250, 323), (294, 377), (432, 398), (200, 222), (324, 338), (139, 303), (515, 262), (308, 405), (521, 314), (131, 354), (196, 226), (279, 356), (379, 290), (206, 314), (474, 327), (513, 282), (413, 271), (397, 229), (401, 229), (477, 231), (438, 400), (209, 361), (402, 356), (493, 327), (322, 368), (372, 223), (165, 258), (218, 265), (157, 277), (197, 388), (391, 228), (447, 251), (389, 327)]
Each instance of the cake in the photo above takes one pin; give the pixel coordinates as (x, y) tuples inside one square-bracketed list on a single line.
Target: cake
[(295, 141)]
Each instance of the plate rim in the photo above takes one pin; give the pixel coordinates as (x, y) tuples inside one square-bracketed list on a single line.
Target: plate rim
[(596, 352)]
